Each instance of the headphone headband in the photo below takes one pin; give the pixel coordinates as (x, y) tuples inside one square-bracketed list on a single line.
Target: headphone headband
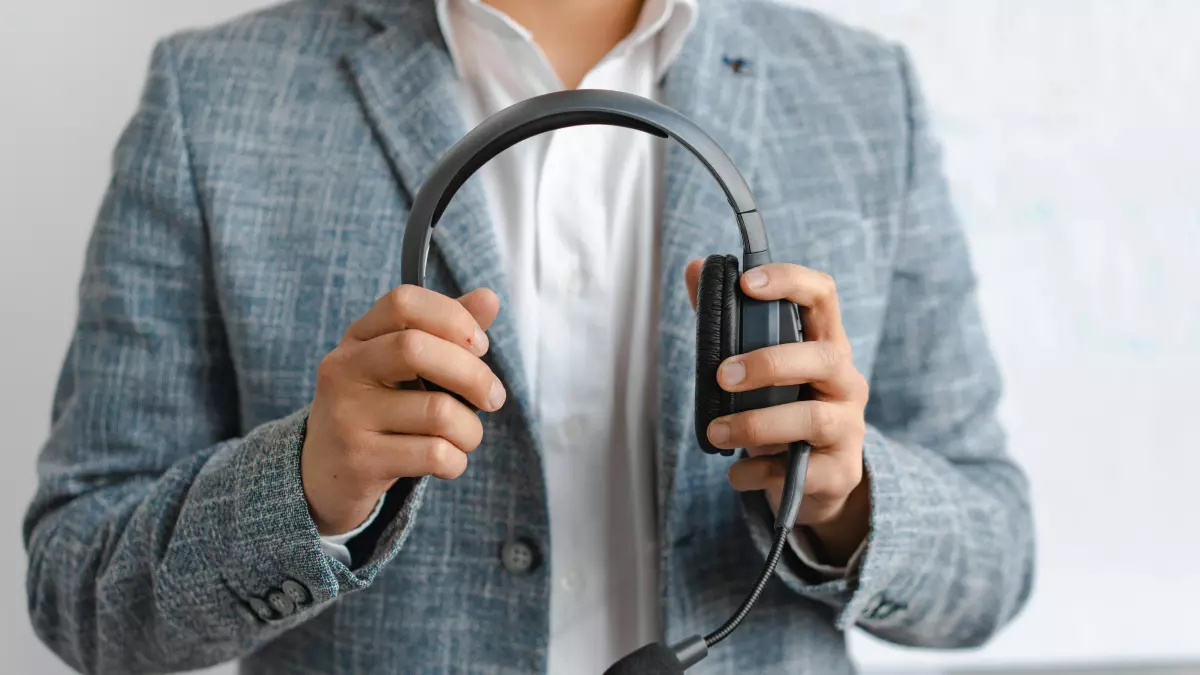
[(558, 110)]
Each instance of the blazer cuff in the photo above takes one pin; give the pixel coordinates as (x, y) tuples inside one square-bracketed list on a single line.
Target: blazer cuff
[(268, 550), (905, 524), (334, 545)]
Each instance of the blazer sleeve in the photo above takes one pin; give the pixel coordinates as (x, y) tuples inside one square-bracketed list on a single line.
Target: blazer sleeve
[(161, 538), (950, 552)]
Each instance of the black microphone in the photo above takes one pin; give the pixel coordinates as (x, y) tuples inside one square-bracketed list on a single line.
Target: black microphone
[(659, 659)]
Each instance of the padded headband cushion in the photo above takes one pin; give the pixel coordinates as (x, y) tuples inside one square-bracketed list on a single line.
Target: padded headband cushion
[(717, 313)]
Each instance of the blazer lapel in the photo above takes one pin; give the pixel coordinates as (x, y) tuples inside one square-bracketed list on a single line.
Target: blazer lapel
[(715, 82), (410, 90)]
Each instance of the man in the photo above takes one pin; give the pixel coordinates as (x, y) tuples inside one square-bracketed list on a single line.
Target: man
[(234, 472)]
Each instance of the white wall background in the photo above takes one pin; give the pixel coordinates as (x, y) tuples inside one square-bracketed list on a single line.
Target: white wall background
[(1071, 129)]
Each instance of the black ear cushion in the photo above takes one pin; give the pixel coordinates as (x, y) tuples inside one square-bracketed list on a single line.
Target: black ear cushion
[(717, 325)]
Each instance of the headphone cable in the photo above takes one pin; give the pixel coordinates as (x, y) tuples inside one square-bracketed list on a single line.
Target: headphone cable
[(793, 493)]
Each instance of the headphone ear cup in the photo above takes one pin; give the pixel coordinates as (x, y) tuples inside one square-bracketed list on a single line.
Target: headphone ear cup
[(718, 326)]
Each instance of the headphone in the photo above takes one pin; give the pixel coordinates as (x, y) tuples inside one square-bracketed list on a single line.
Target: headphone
[(728, 322)]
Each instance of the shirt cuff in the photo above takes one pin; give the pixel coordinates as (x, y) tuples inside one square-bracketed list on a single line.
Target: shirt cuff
[(334, 545)]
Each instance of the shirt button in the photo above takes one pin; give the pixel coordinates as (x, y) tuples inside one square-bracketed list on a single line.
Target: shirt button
[(571, 582), (518, 556), (573, 429)]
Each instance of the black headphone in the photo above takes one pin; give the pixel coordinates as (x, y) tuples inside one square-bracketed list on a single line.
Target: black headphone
[(727, 321)]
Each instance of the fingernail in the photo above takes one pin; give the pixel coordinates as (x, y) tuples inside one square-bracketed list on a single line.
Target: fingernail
[(755, 279), (497, 395), (732, 372), (479, 342), (718, 433)]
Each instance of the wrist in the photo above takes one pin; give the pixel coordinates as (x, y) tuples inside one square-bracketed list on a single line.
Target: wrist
[(334, 505), (839, 537), (343, 518)]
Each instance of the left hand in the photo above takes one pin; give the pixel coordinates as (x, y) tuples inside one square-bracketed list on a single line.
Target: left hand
[(836, 501)]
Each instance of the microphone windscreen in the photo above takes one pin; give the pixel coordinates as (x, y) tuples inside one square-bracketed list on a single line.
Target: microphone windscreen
[(653, 659)]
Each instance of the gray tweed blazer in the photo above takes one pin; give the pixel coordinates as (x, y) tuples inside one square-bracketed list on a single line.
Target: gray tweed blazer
[(256, 209)]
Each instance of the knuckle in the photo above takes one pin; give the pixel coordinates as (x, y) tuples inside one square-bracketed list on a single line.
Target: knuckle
[(439, 408), (440, 457), (750, 428), (771, 363), (826, 286), (860, 388), (401, 298), (435, 455), (821, 421), (330, 367), (831, 355), (409, 344)]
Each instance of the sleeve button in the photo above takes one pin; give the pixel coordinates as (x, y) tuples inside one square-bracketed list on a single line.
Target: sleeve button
[(281, 603), (262, 609), (296, 591)]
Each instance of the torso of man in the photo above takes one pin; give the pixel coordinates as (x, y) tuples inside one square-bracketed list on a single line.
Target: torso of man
[(576, 217)]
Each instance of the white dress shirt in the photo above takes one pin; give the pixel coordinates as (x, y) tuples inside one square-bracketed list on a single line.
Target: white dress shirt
[(576, 213)]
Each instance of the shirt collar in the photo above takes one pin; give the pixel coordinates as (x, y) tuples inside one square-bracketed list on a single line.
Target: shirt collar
[(670, 20)]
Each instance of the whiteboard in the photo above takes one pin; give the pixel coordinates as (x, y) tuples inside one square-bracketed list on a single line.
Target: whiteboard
[(1072, 138)]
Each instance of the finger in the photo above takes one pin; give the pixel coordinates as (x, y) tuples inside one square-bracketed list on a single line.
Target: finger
[(821, 423), (483, 304), (405, 455), (766, 450), (691, 277), (814, 291), (410, 306), (825, 363), (829, 481), (419, 413), (411, 354)]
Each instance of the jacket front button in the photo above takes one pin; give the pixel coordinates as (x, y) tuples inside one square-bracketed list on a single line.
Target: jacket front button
[(262, 609), (518, 556)]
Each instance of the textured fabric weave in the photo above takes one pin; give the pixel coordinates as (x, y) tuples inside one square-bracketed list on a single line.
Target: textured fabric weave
[(256, 209)]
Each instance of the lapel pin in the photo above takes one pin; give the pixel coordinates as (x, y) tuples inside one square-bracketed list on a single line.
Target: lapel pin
[(737, 64)]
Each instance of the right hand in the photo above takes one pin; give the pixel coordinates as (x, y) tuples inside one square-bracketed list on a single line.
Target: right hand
[(364, 433)]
